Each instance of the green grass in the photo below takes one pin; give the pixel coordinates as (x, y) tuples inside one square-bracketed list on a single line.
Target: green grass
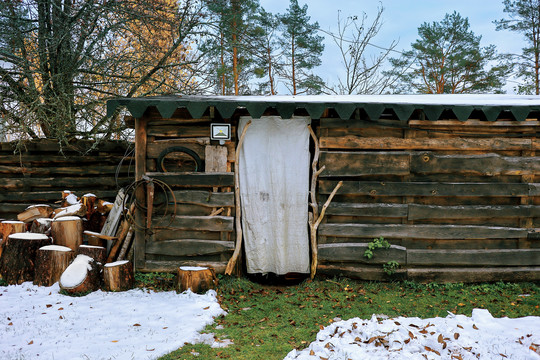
[(266, 322)]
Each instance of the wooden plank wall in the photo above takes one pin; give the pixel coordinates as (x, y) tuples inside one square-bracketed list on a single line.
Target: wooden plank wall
[(199, 227), (459, 201), (41, 170)]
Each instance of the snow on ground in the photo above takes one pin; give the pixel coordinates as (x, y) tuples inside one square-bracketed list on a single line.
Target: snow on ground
[(455, 337), (39, 323)]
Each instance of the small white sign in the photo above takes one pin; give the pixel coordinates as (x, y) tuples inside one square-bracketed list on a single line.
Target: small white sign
[(220, 131)]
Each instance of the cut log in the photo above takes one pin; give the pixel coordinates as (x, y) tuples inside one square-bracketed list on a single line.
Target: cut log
[(7, 228), (72, 210), (51, 261), (104, 207), (98, 253), (67, 231), (81, 276), (19, 256), (89, 201), (196, 279), (41, 226), (35, 212), (97, 239), (118, 276)]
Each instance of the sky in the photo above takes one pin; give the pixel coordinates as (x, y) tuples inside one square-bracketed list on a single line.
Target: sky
[(401, 19)]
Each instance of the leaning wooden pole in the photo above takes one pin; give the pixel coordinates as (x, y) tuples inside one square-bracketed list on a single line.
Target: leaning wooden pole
[(238, 210), (316, 218)]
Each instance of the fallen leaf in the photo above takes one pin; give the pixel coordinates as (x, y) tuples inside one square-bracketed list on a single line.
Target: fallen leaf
[(311, 352), (10, 324), (115, 341), (440, 339), (136, 324), (459, 326), (433, 351), (474, 327), (206, 308), (48, 305), (31, 342), (61, 308), (61, 317), (411, 335), (456, 336)]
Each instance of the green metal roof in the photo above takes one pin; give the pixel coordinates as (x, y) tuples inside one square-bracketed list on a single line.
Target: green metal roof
[(403, 106)]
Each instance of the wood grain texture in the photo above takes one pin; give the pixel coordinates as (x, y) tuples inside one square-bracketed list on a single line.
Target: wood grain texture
[(469, 257), (354, 252), (340, 163), (189, 247)]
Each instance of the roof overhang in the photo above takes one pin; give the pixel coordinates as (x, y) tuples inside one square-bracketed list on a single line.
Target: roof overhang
[(462, 105)]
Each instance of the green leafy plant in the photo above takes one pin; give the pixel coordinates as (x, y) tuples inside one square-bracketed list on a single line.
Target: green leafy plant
[(377, 243), (391, 267)]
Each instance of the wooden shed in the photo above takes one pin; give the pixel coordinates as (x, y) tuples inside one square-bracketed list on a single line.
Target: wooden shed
[(452, 182)]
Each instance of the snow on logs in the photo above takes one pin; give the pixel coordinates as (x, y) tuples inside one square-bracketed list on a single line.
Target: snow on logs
[(19, 256), (98, 253), (82, 276), (51, 261), (195, 278), (118, 276)]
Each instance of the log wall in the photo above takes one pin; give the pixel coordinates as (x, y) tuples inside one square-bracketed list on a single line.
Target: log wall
[(197, 228), (458, 200), (39, 171)]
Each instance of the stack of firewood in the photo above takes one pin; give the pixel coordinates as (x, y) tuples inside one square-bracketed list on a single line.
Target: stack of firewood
[(83, 243)]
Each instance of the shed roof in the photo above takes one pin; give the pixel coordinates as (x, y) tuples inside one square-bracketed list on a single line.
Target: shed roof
[(462, 105)]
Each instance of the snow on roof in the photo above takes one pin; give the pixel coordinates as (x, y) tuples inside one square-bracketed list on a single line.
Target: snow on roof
[(403, 105)]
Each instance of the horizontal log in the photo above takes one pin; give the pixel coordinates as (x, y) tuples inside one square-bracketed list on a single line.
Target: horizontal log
[(377, 188), (487, 164), (368, 210), (473, 122), (360, 272), (154, 148), (401, 231), (54, 160), (13, 208), (63, 183), (51, 196), (194, 179), (205, 198), (172, 266), (189, 247), (81, 170), (422, 212), (179, 131), (502, 257), (204, 223), (513, 274), (175, 234), (391, 143), (354, 252), (339, 163), (50, 145)]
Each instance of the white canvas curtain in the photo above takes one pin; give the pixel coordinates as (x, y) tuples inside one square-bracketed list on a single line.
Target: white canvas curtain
[(274, 190)]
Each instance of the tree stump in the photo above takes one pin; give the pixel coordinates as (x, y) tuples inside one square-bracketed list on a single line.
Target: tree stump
[(41, 226), (19, 256), (98, 253), (67, 231), (7, 228), (196, 279), (51, 261), (81, 276), (118, 276)]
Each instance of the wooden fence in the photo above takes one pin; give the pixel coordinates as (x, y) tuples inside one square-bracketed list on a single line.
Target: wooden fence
[(39, 171)]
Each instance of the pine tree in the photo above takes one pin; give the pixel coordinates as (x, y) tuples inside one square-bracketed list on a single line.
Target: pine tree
[(525, 18), (302, 50), (266, 50), (448, 58)]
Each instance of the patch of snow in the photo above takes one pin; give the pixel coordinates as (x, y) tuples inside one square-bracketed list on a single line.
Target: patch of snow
[(107, 203), (67, 218), (37, 205), (12, 222), (76, 272), (44, 221), (192, 268), (70, 210), (55, 248), (454, 337), (92, 247), (71, 199), (117, 263), (29, 236), (134, 324), (89, 195), (88, 232)]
